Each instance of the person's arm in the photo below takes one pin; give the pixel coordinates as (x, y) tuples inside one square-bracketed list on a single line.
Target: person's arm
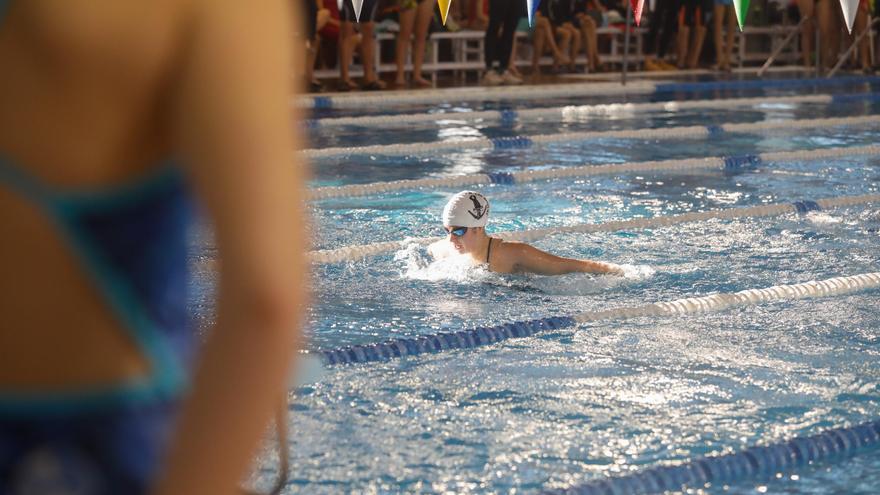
[(526, 258), (232, 121)]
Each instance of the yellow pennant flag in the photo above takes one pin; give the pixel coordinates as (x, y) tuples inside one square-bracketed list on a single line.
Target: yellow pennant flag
[(444, 9)]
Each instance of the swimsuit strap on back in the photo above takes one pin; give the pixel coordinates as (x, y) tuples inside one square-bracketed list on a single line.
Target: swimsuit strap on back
[(489, 250)]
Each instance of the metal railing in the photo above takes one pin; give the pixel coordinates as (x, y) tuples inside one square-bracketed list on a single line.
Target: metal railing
[(852, 47), (782, 46)]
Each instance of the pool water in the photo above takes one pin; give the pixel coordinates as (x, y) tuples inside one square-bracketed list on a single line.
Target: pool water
[(608, 397)]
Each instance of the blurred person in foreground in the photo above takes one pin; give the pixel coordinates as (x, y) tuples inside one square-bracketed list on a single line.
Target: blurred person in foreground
[(114, 115)]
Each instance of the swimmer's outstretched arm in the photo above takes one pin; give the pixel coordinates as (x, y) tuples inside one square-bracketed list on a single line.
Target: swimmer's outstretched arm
[(232, 120), (525, 258)]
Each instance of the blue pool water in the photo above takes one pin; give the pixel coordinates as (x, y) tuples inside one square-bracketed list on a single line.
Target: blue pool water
[(609, 397)]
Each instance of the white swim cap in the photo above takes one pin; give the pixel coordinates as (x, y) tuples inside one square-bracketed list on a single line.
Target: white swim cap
[(466, 209)]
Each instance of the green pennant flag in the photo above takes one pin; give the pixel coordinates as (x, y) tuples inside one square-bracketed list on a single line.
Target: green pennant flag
[(742, 9)]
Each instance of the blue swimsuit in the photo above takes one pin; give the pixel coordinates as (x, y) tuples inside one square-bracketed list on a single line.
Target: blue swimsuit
[(132, 242)]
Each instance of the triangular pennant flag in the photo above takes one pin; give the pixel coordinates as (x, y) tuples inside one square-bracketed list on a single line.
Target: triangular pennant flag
[(850, 8), (742, 8), (358, 5), (444, 9), (532, 7), (339, 5), (637, 6)]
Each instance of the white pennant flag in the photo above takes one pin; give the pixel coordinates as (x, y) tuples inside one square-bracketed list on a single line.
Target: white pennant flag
[(339, 5), (358, 5), (850, 8)]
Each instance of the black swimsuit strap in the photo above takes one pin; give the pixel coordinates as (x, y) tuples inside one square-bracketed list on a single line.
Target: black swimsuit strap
[(489, 250)]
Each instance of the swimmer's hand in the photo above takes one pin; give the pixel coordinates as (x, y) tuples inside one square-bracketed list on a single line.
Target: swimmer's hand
[(609, 269)]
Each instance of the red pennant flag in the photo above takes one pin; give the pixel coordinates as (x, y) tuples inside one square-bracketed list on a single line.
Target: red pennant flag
[(637, 6)]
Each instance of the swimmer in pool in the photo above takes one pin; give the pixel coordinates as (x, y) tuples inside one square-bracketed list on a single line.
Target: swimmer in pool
[(464, 219)]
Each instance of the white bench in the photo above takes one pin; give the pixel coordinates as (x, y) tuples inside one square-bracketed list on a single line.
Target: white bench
[(751, 44), (467, 52)]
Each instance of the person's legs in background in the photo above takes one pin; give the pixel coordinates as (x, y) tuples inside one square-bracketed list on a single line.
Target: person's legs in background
[(492, 42), (590, 41), (695, 48), (829, 20), (406, 20), (512, 12), (723, 11), (367, 27), (808, 30), (503, 16), (543, 37), (859, 26), (574, 35), (424, 16), (691, 33), (321, 16)]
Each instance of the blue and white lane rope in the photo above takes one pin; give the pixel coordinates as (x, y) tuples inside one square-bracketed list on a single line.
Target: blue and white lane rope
[(580, 112), (730, 163), (759, 463), (483, 336), (356, 252), (470, 94), (528, 142)]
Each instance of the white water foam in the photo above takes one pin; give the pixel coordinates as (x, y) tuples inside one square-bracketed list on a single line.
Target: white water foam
[(419, 265)]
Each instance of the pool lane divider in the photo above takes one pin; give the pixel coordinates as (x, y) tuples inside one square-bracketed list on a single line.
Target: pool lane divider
[(356, 252), (577, 90), (484, 336), (528, 142), (580, 112), (727, 163), (757, 463)]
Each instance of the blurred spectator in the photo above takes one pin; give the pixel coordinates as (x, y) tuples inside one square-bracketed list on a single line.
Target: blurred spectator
[(366, 26), (663, 25), (723, 31), (808, 30), (590, 16), (477, 17), (542, 40), (416, 14), (562, 18), (691, 32), (503, 18), (316, 18)]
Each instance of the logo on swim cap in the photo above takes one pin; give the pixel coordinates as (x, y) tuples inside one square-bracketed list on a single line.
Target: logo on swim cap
[(466, 209), (479, 210)]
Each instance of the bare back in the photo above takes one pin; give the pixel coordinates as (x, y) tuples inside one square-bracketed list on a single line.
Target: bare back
[(84, 105)]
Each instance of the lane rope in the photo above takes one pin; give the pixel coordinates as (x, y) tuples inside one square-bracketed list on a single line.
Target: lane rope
[(484, 336), (579, 90), (758, 463), (527, 142), (579, 112), (729, 163), (356, 252)]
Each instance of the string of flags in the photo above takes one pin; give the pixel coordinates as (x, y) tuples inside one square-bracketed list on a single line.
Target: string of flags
[(741, 7)]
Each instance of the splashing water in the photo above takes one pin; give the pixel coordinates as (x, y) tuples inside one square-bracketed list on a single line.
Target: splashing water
[(419, 265)]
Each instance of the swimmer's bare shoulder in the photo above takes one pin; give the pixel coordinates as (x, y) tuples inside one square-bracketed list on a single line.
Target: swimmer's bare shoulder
[(519, 257)]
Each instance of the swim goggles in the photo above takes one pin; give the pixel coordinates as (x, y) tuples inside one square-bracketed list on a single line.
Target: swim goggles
[(456, 231)]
